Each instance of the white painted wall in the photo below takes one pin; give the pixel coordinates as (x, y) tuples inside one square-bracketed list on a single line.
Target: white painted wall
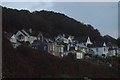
[(76, 48), (70, 39), (25, 38), (112, 53), (19, 33), (13, 39), (60, 49), (100, 50), (31, 39)]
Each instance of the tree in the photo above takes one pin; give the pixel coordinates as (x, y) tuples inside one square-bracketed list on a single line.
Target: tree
[(48, 22), (118, 42)]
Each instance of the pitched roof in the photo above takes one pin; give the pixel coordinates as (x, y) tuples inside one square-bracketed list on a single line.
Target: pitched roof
[(110, 49), (24, 33), (111, 44), (96, 44), (20, 33), (82, 45)]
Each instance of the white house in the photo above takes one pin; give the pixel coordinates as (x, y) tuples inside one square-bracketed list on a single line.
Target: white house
[(113, 49), (64, 38), (84, 41), (112, 52), (22, 35), (70, 38), (99, 48), (13, 39)]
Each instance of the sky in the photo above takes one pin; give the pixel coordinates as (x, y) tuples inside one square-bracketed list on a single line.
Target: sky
[(101, 15)]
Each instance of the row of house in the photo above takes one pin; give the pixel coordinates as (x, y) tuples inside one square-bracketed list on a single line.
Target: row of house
[(63, 45)]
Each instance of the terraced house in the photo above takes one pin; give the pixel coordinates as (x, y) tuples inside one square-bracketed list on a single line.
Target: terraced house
[(62, 45)]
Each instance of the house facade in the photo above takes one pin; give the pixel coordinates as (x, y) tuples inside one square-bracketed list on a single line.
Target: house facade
[(99, 48), (22, 35), (62, 45), (113, 49), (80, 55), (13, 39), (112, 52), (55, 49), (65, 39)]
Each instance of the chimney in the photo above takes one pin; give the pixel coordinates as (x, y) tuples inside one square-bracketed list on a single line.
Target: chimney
[(30, 30)]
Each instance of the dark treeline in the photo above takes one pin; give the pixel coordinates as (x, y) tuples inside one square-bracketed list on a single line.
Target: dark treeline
[(118, 41), (50, 23)]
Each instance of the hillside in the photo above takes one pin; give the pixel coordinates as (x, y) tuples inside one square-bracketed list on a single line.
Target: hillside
[(118, 41), (49, 23), (25, 62)]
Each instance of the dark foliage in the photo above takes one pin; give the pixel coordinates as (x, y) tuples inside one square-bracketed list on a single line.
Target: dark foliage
[(48, 22), (108, 38), (118, 41)]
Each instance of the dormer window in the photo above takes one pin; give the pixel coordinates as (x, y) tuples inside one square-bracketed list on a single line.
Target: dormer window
[(104, 44)]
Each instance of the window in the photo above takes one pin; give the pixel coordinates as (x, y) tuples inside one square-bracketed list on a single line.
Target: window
[(104, 49), (96, 49)]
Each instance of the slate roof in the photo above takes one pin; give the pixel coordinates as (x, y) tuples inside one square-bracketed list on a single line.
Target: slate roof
[(110, 49), (82, 45), (96, 44), (45, 41), (66, 36), (111, 45), (27, 31), (23, 33)]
